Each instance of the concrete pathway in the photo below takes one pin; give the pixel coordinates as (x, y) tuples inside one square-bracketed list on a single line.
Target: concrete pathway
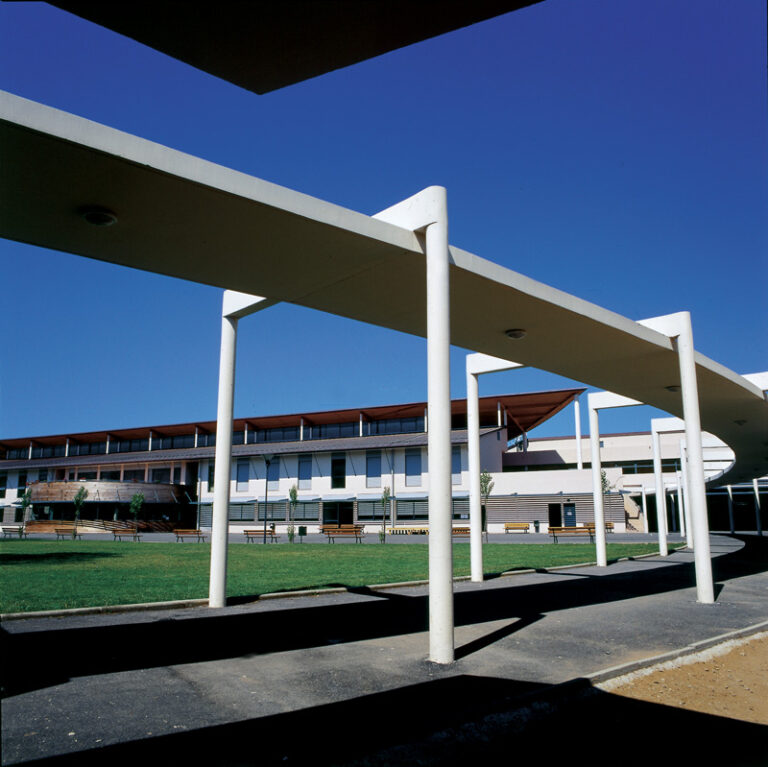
[(342, 678)]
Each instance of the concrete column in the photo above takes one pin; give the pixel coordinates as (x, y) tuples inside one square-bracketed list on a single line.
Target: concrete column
[(731, 521), (439, 436), (475, 501), (704, 584), (661, 498), (217, 592), (597, 487), (758, 521), (122, 472), (301, 429), (360, 425), (577, 425), (197, 431), (646, 526), (149, 442), (66, 448), (688, 531), (680, 505), (498, 414), (107, 446)]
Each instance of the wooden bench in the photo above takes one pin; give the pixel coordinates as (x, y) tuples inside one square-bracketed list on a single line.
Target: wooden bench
[(254, 535), (343, 531), (8, 532), (126, 533), (516, 527), (608, 527), (562, 531), (67, 532), (199, 535)]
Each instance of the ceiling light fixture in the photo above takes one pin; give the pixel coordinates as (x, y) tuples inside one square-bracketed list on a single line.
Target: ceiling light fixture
[(516, 333), (97, 216)]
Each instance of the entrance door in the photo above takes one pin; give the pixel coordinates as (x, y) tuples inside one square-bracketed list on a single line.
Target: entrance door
[(569, 513), (338, 513), (555, 515)]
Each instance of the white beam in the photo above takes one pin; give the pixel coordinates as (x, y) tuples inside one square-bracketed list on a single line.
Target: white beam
[(758, 521)]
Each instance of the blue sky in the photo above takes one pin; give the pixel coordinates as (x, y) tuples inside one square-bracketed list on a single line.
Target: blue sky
[(615, 150)]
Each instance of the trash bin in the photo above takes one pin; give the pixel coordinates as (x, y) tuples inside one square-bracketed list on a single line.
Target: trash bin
[(536, 525), (302, 531)]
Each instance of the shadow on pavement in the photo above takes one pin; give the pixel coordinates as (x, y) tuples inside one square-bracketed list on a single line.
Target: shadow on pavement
[(455, 721), (102, 649)]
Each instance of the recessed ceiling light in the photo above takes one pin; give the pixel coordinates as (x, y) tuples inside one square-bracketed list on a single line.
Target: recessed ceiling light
[(673, 388), (97, 216), (516, 333)]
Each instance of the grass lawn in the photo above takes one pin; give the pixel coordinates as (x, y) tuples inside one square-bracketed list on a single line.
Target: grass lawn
[(47, 575)]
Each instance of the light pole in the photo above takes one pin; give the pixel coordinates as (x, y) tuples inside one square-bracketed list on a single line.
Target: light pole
[(267, 462)]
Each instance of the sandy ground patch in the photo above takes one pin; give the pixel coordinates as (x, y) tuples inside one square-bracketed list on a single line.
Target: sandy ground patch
[(729, 680)]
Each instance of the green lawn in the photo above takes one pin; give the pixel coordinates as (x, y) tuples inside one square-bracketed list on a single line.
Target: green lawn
[(46, 575)]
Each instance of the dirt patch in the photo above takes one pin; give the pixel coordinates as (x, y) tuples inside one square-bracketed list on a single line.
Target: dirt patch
[(728, 680)]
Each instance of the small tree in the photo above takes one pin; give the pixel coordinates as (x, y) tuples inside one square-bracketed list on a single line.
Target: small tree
[(78, 500), (293, 496), (486, 485), (25, 502), (137, 501), (605, 485), (385, 495)]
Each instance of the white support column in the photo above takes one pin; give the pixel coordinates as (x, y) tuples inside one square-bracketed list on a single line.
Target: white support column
[(661, 496), (428, 211), (688, 530), (439, 439), (301, 429), (476, 364), (217, 596), (705, 588), (360, 426), (680, 505), (197, 432), (498, 414), (597, 486), (577, 426), (731, 520), (473, 453), (678, 328), (234, 306), (644, 494), (758, 521)]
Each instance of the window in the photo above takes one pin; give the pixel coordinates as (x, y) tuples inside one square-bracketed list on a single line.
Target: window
[(273, 474), (3, 483), (456, 465), (161, 476), (307, 511), (413, 467), (133, 475), (338, 470), (21, 484), (211, 474), (243, 475), (336, 430), (110, 476), (176, 475), (275, 511), (42, 475), (373, 468), (305, 472)]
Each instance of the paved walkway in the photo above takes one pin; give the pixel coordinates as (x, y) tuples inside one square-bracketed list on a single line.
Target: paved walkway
[(342, 678)]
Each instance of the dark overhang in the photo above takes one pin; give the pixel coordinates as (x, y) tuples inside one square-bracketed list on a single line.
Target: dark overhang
[(262, 45)]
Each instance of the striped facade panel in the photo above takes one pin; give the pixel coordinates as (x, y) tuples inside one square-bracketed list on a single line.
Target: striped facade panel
[(408, 511), (276, 512), (370, 511), (528, 508)]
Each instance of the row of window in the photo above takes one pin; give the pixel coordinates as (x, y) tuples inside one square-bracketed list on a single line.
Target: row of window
[(254, 436), (373, 470)]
